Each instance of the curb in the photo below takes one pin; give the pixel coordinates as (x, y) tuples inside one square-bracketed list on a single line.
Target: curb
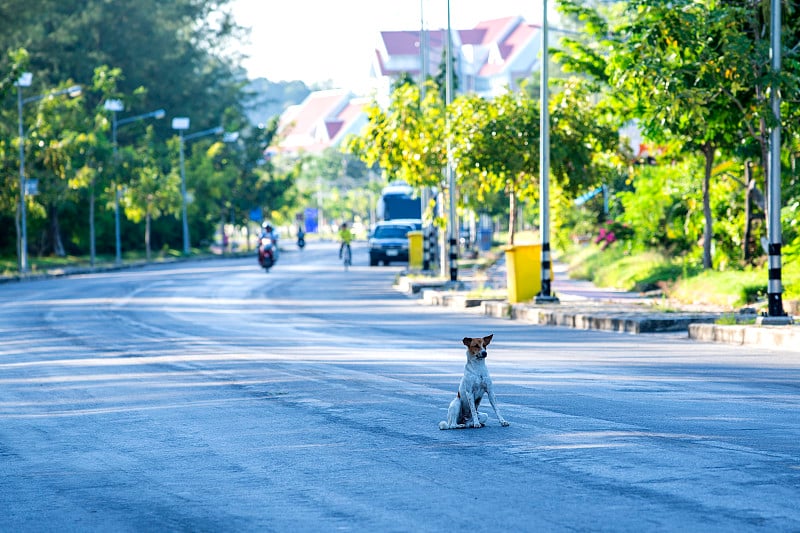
[(784, 338), (605, 317), (60, 272), (622, 321), (610, 316)]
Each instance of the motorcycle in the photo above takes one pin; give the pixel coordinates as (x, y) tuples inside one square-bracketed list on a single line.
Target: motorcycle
[(267, 254), (301, 240)]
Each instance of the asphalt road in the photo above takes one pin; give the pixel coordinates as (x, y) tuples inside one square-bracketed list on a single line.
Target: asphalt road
[(211, 396)]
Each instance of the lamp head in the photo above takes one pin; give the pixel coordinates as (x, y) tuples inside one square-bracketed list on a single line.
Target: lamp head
[(180, 123), (113, 105), (25, 80)]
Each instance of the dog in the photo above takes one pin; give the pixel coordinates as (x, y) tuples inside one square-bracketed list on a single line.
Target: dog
[(463, 411)]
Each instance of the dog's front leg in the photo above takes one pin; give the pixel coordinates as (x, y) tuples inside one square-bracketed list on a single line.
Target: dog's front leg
[(493, 401), (476, 423)]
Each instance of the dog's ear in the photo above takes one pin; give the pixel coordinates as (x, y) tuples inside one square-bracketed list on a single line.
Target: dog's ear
[(487, 339), (466, 341)]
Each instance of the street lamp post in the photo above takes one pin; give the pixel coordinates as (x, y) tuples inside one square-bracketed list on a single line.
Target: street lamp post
[(451, 181), (22, 225), (775, 313), (116, 106), (545, 295), (182, 124)]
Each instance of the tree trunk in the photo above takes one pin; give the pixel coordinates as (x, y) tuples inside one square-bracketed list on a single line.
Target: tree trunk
[(512, 216), (223, 237), (147, 234), (708, 230), (55, 233)]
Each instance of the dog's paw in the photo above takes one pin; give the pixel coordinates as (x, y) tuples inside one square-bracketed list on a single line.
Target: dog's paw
[(476, 424), (504, 423)]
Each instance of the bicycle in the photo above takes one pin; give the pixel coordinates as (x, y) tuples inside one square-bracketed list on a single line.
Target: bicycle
[(347, 256)]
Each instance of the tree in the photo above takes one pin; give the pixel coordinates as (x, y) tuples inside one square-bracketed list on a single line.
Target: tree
[(675, 66), (152, 192), (58, 121), (407, 139), (176, 50), (247, 158), (496, 147)]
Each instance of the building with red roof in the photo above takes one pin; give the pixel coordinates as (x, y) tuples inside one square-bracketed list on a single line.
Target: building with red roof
[(321, 121), (490, 58)]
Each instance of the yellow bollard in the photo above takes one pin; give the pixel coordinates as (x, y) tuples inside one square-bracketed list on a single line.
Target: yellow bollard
[(415, 250)]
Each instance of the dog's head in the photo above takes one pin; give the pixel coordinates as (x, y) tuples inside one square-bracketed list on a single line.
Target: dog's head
[(476, 346)]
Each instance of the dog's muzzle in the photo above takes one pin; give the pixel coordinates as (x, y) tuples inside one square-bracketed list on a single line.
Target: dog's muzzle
[(482, 354)]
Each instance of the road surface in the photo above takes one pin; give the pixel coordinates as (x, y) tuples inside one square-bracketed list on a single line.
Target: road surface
[(211, 396)]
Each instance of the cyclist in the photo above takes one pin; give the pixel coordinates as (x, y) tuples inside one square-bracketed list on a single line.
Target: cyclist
[(346, 236)]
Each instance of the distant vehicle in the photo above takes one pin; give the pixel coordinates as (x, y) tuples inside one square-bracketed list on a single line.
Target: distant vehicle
[(415, 223), (389, 242), (398, 201)]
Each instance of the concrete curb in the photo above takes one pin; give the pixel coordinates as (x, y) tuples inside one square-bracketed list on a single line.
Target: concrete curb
[(619, 317), (588, 315), (784, 338), (58, 272), (635, 321), (80, 270)]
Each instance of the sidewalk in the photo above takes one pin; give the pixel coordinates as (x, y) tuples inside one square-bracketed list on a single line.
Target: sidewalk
[(582, 305)]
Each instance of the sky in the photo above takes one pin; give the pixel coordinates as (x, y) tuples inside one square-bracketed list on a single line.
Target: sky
[(319, 40)]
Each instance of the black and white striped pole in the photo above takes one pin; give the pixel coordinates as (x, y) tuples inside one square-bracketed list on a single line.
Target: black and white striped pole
[(545, 295), (775, 313)]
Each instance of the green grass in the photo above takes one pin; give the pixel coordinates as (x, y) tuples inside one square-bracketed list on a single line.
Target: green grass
[(612, 267), (483, 293), (680, 280), (727, 289), (726, 319)]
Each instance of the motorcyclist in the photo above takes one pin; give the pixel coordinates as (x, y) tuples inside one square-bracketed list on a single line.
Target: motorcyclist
[(267, 232)]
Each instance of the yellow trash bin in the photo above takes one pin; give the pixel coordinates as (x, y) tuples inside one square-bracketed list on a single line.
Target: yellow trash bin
[(415, 249), (523, 271)]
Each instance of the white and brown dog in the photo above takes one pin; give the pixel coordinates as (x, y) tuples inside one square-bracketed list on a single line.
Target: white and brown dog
[(463, 410)]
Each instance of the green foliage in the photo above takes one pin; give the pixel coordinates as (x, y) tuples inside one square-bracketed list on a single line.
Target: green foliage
[(496, 147), (663, 208), (406, 139), (175, 56), (339, 183), (681, 281)]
